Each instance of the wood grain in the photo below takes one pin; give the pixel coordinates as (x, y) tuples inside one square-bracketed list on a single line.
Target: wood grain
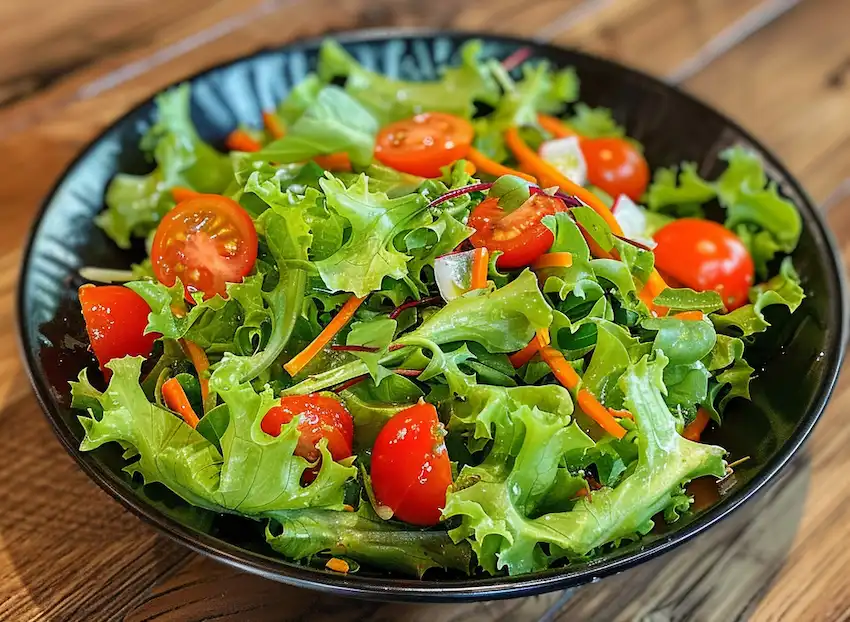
[(67, 551)]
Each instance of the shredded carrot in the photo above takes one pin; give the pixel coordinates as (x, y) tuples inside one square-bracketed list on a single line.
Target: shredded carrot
[(690, 315), (548, 175), (180, 194), (297, 362), (480, 263), (491, 167), (334, 161), (337, 565), (621, 414), (175, 398), (273, 125), (555, 126), (543, 337), (201, 363), (470, 168), (240, 140), (568, 377), (553, 260), (693, 431), (581, 492), (518, 359)]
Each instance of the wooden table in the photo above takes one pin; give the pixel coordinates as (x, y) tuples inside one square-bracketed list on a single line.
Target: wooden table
[(68, 551)]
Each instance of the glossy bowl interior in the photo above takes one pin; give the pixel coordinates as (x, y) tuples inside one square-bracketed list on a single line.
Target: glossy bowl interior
[(797, 361)]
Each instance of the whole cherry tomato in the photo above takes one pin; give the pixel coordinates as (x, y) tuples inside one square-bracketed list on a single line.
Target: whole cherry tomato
[(705, 255), (616, 166), (425, 143)]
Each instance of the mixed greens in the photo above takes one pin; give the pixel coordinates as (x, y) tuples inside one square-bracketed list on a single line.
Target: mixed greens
[(399, 326)]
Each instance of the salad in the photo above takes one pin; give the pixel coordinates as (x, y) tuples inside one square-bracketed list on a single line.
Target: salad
[(457, 324)]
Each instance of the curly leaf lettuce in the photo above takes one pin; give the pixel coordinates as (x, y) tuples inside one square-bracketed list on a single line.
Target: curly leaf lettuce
[(680, 192), (253, 474), (135, 204), (577, 279), (334, 122), (496, 507), (368, 255), (783, 289), (390, 99)]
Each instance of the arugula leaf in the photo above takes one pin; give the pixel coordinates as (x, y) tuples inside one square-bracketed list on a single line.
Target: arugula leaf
[(252, 475), (136, 203), (378, 333), (368, 255), (783, 289), (335, 122), (390, 99), (364, 537), (679, 192), (503, 320)]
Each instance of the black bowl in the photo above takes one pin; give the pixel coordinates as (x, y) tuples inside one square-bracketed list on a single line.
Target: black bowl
[(797, 361)]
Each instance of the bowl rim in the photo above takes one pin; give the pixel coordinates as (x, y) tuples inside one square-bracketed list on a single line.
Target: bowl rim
[(454, 590)]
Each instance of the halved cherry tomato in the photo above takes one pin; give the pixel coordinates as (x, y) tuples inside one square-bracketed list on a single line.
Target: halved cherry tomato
[(410, 465), (206, 241), (705, 255), (424, 143), (616, 166), (520, 235), (320, 417), (116, 318)]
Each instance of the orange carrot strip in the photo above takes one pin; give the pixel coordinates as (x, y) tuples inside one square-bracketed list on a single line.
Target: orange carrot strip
[(240, 140), (690, 315), (693, 431), (180, 194), (553, 260), (491, 167), (480, 263), (175, 398), (518, 359), (273, 125), (470, 168), (337, 565), (555, 126), (548, 175), (621, 414), (297, 362), (568, 377), (334, 161), (202, 364)]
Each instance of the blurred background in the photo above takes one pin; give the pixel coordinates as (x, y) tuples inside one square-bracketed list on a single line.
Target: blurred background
[(67, 69)]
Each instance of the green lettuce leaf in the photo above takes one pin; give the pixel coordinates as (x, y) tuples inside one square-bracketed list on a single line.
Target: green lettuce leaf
[(684, 299), (252, 475), (495, 507), (390, 99), (783, 289), (679, 192), (361, 536), (682, 341), (368, 255), (595, 122), (135, 204), (335, 122), (578, 279), (300, 98), (503, 320)]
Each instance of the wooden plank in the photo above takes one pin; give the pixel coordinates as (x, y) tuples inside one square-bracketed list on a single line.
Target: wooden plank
[(654, 35), (204, 589), (788, 88)]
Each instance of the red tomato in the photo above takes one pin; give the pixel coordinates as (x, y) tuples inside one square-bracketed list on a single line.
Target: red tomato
[(410, 465), (116, 318), (705, 255), (520, 235), (206, 241), (423, 144), (319, 417), (616, 166)]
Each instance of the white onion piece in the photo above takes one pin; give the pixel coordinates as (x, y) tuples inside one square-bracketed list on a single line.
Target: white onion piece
[(453, 274), (632, 220), (566, 156)]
